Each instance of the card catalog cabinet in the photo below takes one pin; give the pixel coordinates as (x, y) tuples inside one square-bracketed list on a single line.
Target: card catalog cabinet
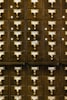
[(33, 49)]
